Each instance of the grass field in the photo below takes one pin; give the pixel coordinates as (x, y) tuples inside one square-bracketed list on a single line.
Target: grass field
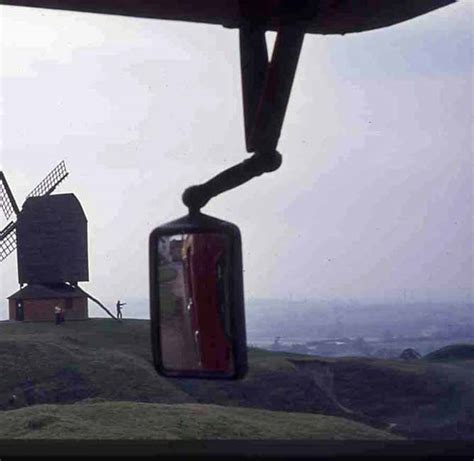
[(132, 420), (454, 353), (167, 274), (168, 302), (52, 368)]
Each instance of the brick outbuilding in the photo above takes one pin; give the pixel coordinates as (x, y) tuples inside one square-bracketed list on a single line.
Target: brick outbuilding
[(36, 303)]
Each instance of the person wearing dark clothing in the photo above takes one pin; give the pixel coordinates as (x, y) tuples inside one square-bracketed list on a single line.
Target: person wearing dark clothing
[(119, 308), (20, 313), (57, 314)]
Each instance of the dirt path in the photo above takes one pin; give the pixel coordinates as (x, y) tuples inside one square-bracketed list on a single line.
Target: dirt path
[(177, 340)]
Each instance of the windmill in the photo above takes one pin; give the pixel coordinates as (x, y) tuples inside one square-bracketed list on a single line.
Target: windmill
[(49, 233), (9, 206)]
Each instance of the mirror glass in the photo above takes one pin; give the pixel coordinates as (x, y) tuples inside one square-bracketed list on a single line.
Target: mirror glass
[(194, 302)]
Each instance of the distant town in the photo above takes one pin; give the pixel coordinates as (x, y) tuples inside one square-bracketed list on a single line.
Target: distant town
[(336, 329)]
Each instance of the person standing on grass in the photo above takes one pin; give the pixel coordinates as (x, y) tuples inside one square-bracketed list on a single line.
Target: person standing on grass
[(12, 400), (57, 314), (119, 308)]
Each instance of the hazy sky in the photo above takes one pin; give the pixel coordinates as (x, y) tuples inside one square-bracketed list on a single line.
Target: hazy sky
[(374, 199)]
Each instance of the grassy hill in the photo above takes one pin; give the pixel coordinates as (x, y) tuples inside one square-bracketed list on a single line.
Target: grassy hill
[(452, 353), (47, 365), (134, 420)]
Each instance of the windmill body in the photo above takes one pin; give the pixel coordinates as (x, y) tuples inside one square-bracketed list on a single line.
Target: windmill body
[(50, 235), (52, 240)]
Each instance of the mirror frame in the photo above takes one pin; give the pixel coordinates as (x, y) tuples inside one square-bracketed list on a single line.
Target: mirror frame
[(192, 224)]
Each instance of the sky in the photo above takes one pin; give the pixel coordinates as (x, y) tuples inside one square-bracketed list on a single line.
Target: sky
[(374, 200)]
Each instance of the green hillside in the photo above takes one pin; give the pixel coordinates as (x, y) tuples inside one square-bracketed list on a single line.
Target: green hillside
[(452, 353), (105, 360), (133, 420)]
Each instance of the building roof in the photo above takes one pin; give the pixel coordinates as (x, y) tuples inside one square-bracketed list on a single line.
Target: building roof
[(34, 291)]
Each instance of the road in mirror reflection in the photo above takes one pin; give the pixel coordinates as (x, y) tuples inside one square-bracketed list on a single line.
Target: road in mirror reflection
[(194, 286)]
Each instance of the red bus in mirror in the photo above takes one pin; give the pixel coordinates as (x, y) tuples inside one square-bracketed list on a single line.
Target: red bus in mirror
[(196, 299), (206, 292)]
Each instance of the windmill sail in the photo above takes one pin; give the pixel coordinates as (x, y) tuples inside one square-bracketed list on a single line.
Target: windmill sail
[(7, 240), (7, 201), (48, 184)]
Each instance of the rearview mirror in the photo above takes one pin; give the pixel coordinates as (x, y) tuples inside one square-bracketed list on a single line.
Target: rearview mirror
[(196, 299)]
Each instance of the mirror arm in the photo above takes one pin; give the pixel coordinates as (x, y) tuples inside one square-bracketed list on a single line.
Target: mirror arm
[(254, 69), (276, 90), (195, 197), (265, 101)]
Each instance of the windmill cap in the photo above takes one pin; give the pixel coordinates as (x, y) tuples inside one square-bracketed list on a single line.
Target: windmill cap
[(37, 291)]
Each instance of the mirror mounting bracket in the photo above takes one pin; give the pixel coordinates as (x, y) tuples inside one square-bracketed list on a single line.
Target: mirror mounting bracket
[(195, 197), (266, 91)]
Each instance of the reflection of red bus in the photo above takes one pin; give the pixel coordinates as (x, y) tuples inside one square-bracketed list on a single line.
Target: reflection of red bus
[(206, 272)]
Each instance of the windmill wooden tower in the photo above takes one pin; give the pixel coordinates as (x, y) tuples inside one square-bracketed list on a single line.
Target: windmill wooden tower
[(50, 236)]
